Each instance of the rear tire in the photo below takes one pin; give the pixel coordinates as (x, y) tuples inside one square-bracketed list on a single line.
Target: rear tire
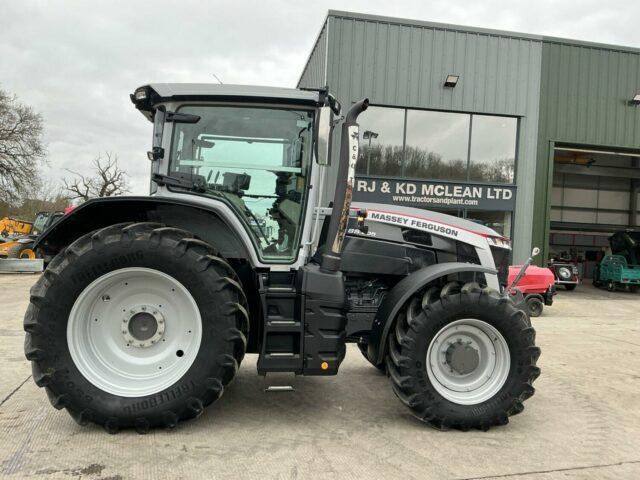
[(570, 286), (192, 265), (415, 379)]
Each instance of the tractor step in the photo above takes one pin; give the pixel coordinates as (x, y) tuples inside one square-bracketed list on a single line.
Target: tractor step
[(280, 382), (283, 332)]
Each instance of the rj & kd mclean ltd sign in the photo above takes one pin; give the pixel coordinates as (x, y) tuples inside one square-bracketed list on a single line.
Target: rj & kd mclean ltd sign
[(432, 194)]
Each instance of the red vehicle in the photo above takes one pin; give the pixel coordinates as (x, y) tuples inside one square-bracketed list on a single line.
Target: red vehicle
[(537, 286)]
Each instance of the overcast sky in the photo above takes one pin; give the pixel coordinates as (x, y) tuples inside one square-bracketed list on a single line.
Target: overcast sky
[(76, 62)]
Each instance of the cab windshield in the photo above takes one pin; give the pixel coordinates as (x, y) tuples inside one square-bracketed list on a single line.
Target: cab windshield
[(257, 160), (40, 223)]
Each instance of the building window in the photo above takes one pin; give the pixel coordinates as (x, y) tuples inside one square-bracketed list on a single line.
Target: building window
[(498, 221), (437, 145), (493, 149), (381, 141), (431, 145)]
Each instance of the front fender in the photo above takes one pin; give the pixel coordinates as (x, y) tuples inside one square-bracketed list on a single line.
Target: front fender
[(401, 293)]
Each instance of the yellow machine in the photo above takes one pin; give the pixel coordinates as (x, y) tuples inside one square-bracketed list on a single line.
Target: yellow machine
[(10, 227), (21, 245)]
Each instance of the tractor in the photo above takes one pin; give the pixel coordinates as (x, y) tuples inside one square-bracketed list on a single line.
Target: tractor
[(149, 304)]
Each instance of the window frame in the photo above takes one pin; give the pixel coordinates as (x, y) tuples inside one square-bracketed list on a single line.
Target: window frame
[(288, 260)]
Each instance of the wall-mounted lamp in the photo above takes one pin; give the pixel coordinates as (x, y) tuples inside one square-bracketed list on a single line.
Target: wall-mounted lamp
[(635, 100), (451, 81)]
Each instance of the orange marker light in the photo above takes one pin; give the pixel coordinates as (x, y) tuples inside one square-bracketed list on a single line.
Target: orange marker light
[(324, 365)]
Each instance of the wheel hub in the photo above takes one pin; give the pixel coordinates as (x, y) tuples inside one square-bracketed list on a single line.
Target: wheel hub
[(468, 361), (462, 357), (143, 326)]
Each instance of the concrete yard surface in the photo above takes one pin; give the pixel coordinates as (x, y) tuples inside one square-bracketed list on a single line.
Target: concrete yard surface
[(582, 423)]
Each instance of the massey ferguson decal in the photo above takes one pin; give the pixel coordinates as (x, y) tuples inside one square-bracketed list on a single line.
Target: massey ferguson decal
[(415, 223), (427, 225), (429, 194)]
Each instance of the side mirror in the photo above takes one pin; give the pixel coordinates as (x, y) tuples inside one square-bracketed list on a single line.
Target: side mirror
[(323, 139), (157, 152)]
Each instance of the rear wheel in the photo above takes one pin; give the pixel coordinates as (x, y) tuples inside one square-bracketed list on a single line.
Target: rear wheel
[(466, 360), (570, 286), (136, 325)]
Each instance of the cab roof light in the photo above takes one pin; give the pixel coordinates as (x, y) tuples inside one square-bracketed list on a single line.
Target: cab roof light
[(140, 94)]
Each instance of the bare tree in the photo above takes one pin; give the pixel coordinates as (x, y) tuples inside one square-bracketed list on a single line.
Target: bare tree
[(21, 147), (107, 180)]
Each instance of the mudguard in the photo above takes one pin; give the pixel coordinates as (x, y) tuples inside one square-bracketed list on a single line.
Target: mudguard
[(101, 212), (401, 293)]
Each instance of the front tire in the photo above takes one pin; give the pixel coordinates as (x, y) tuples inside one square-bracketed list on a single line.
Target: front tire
[(463, 361), (363, 347), (535, 306), (22, 250), (136, 325)]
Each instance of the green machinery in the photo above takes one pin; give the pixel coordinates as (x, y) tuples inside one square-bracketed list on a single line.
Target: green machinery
[(621, 268)]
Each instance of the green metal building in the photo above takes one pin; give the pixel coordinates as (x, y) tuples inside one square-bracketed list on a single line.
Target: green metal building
[(537, 137)]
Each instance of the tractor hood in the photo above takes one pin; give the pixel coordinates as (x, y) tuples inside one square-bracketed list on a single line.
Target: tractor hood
[(409, 213), (431, 222)]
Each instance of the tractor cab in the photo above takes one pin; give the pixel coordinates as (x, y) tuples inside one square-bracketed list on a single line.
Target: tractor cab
[(252, 149)]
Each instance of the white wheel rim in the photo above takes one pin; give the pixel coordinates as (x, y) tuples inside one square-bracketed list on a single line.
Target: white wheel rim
[(113, 344), (484, 380)]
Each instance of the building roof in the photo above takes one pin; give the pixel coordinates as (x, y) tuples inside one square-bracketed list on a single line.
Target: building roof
[(486, 31)]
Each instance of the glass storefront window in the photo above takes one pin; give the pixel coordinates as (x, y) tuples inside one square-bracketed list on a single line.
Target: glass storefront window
[(493, 149), (436, 145), (381, 141), (431, 145)]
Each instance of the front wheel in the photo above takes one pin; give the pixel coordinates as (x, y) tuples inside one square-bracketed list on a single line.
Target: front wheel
[(463, 361), (22, 251), (363, 350), (136, 325), (535, 306)]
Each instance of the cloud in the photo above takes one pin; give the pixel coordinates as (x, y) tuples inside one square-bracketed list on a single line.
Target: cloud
[(77, 62)]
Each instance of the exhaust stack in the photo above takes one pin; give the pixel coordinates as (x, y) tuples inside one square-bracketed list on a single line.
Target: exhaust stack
[(344, 187)]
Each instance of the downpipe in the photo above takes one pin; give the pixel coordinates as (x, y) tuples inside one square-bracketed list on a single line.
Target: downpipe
[(344, 188)]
